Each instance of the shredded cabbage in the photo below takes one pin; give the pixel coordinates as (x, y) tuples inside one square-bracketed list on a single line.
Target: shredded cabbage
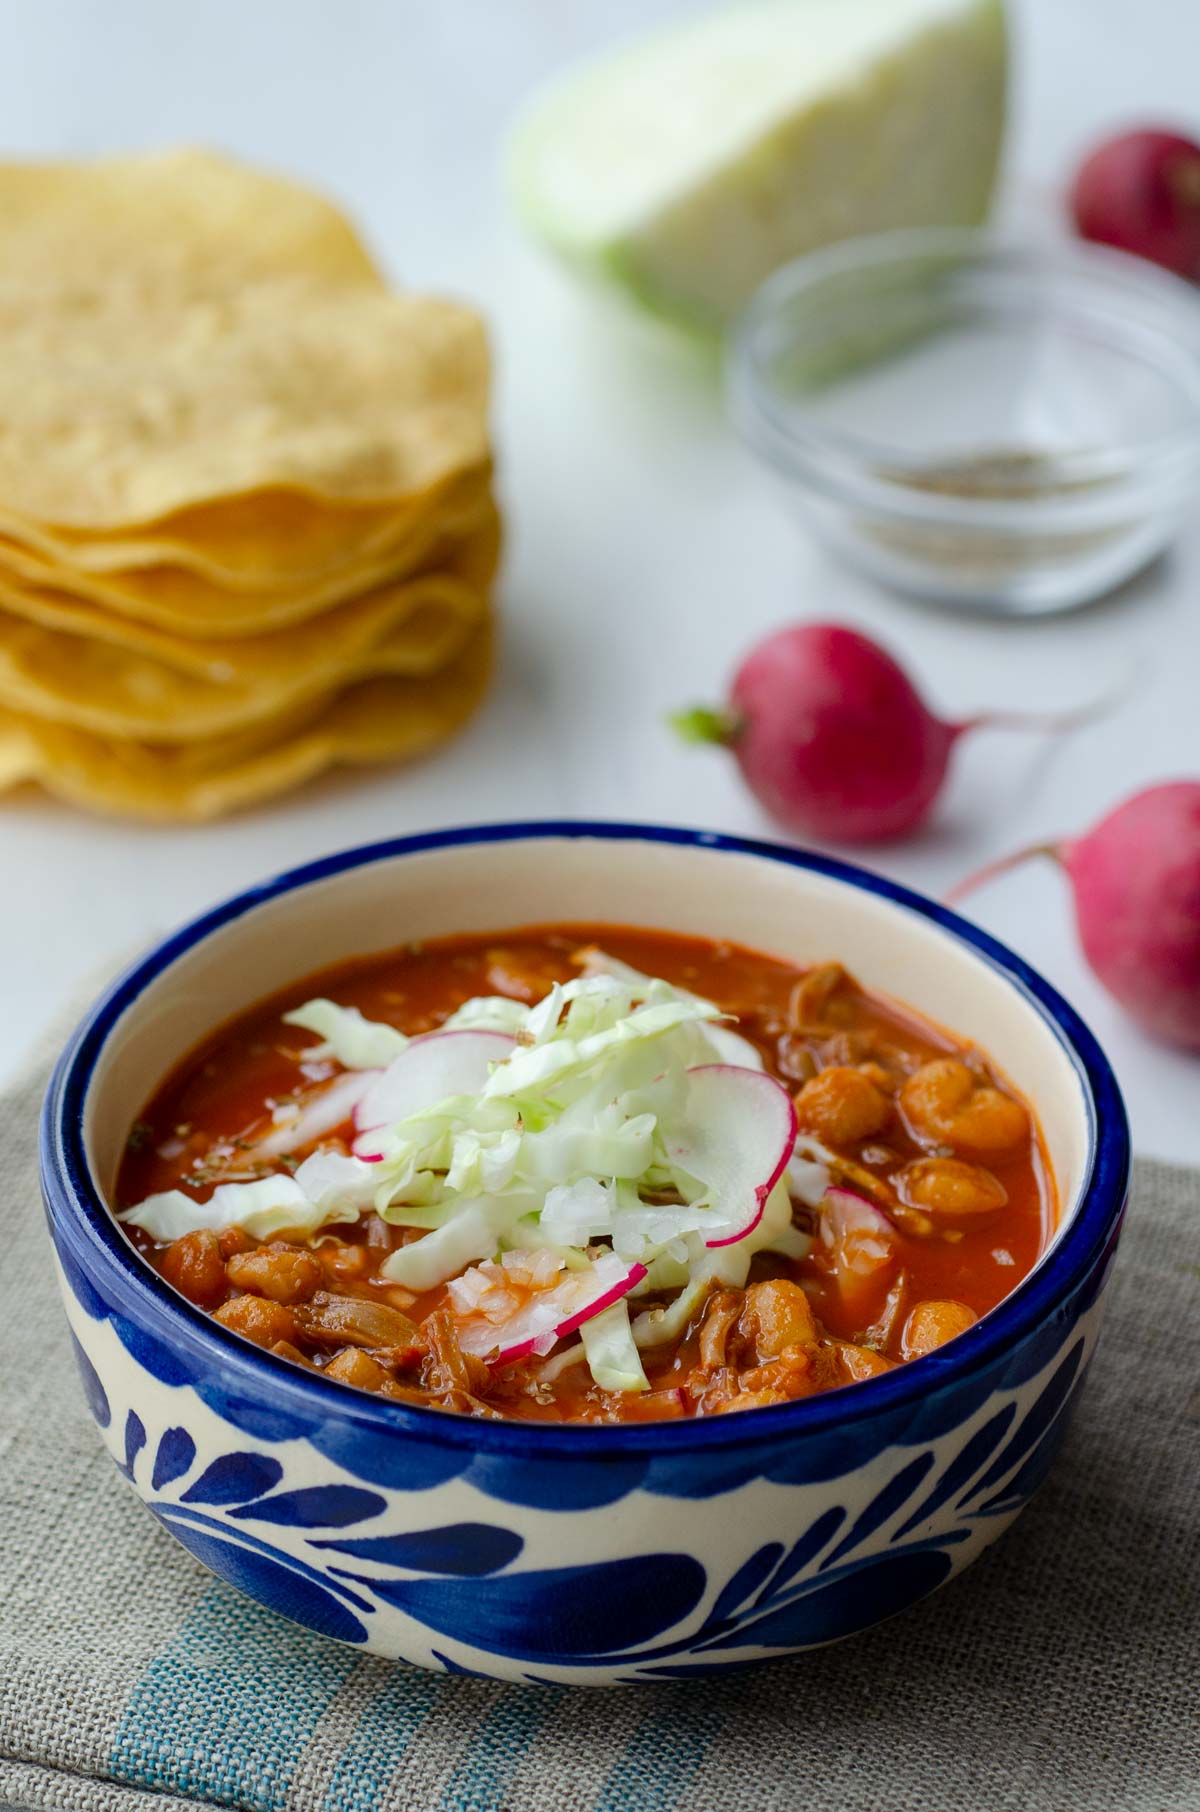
[(488, 1013), (612, 1356), (473, 1232), (562, 1362), (262, 1208), (354, 1042), (729, 1046), (560, 1151)]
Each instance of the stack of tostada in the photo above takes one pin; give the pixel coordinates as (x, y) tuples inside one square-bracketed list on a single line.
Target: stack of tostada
[(247, 528)]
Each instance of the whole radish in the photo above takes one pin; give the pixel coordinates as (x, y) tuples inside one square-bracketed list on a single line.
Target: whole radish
[(1141, 192), (1135, 877), (833, 738)]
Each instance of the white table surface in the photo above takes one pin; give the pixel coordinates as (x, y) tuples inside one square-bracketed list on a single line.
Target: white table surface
[(645, 551)]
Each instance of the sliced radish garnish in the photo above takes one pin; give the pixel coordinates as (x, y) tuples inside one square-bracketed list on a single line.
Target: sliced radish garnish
[(429, 1070), (319, 1113), (848, 1212), (547, 1316), (865, 1248), (735, 1137)]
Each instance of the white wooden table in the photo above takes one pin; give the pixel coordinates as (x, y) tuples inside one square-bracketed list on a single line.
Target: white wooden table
[(645, 551)]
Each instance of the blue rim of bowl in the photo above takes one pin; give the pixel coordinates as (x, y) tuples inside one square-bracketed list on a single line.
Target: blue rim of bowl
[(70, 1188), (847, 467)]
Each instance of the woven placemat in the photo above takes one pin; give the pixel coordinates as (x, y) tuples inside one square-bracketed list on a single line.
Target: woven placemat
[(1059, 1675)]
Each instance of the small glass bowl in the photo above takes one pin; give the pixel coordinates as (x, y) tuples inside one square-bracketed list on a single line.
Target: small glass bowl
[(1008, 428)]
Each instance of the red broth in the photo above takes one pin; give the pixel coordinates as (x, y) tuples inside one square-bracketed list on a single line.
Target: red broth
[(882, 1088)]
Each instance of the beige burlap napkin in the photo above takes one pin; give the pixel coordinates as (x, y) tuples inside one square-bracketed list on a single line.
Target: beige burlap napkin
[(1059, 1675)]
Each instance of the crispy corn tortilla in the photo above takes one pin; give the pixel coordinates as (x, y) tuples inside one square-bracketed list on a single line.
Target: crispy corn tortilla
[(182, 603), (246, 529), (189, 216), (260, 541), (413, 627), (121, 405), (388, 719), (96, 687), (280, 659)]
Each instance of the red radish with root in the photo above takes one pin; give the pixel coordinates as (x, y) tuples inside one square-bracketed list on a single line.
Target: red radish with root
[(1136, 881), (833, 738), (1141, 193)]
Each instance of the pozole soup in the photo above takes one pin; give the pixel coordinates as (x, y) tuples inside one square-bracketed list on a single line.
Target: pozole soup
[(588, 1174)]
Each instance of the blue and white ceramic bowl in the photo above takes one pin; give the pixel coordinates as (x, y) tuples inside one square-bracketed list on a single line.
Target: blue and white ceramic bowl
[(584, 1555)]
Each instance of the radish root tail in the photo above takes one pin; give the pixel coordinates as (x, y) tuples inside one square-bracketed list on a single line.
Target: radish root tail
[(1053, 723), (993, 870)]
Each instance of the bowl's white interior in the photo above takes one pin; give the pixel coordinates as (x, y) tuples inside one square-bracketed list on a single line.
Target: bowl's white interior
[(788, 912)]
